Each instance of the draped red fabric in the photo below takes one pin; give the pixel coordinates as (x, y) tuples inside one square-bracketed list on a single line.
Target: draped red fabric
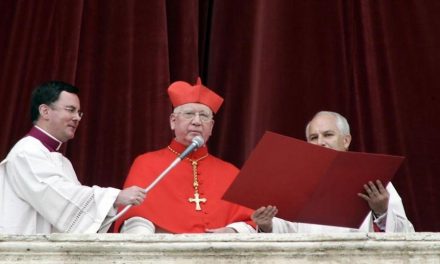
[(275, 62)]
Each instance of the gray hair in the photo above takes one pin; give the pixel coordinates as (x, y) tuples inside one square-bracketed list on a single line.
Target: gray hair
[(177, 109), (341, 122)]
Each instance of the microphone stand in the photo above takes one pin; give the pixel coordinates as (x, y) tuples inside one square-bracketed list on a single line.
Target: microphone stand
[(196, 142)]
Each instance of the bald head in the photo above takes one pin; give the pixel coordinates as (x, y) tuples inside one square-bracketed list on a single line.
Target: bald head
[(330, 130)]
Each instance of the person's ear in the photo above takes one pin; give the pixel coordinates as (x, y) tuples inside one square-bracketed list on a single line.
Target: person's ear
[(44, 109), (172, 121), (212, 126), (347, 141)]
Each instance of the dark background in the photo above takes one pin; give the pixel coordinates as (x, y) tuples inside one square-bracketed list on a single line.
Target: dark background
[(275, 62)]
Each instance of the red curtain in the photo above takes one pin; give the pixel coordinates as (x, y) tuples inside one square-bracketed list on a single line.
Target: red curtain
[(275, 62)]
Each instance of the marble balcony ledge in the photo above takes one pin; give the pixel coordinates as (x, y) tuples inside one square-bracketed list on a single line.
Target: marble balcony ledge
[(347, 248)]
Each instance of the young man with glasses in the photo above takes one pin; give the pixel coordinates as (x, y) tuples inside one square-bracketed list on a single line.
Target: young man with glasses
[(188, 199), (40, 192)]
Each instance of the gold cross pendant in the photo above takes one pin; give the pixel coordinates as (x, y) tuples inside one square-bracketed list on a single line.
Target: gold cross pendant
[(197, 201)]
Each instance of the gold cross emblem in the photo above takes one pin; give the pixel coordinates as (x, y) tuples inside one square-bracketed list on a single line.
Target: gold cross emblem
[(197, 201)]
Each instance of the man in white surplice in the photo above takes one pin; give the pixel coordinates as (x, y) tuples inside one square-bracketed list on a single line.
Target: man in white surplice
[(39, 190), (331, 130)]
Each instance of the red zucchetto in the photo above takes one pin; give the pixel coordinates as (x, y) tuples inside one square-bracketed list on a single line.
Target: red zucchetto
[(183, 93)]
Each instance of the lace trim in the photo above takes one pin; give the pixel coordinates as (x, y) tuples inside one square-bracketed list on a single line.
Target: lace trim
[(81, 212)]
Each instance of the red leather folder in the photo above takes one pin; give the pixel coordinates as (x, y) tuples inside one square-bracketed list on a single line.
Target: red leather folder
[(309, 183)]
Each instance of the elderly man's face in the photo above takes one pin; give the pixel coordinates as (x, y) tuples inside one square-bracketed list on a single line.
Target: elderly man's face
[(324, 132), (190, 120)]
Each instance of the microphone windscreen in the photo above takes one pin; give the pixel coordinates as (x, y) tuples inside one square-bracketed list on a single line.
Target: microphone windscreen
[(198, 140)]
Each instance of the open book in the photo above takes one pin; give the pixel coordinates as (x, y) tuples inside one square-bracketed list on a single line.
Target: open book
[(309, 183)]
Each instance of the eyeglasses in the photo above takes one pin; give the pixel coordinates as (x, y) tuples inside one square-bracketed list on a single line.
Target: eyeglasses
[(190, 115), (72, 110)]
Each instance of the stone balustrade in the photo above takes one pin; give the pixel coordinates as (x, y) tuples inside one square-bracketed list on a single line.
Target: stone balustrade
[(347, 248)]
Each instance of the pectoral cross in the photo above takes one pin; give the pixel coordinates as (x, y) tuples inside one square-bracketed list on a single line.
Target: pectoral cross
[(197, 201)]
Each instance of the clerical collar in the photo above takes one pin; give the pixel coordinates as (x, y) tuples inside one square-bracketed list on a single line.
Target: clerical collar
[(195, 155), (50, 142)]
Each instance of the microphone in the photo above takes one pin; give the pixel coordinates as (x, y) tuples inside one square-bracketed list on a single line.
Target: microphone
[(196, 143)]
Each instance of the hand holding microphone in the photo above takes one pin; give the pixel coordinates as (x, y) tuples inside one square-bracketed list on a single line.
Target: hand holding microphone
[(132, 195)]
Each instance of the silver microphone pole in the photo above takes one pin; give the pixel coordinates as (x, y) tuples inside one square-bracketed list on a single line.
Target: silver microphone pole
[(197, 142)]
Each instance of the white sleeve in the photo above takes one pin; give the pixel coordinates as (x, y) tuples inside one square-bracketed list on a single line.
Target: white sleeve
[(381, 221), (48, 183), (242, 227), (396, 220), (138, 225), (282, 226), (113, 211)]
